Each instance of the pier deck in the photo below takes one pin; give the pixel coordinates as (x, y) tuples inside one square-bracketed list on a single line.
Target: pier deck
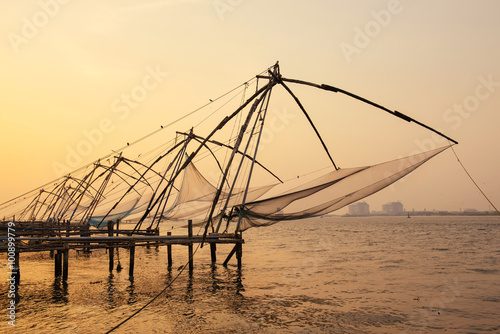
[(59, 239)]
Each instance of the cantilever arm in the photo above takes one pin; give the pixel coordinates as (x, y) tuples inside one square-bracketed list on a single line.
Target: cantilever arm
[(357, 97)]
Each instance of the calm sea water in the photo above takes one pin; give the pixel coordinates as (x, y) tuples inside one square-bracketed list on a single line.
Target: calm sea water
[(329, 275)]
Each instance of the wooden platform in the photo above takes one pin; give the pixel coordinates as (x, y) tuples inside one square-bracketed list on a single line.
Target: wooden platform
[(60, 239)]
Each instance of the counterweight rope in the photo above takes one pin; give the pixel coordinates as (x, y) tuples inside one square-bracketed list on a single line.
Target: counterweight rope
[(477, 186)]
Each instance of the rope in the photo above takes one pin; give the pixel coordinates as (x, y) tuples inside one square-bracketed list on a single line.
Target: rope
[(470, 177), (158, 295)]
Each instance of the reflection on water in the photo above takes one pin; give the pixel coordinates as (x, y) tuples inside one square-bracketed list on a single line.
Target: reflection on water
[(60, 291), (338, 275)]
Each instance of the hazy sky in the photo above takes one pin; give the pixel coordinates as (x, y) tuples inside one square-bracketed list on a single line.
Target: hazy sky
[(72, 69)]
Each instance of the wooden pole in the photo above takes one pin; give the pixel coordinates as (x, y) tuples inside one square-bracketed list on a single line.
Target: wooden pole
[(57, 264), (230, 255), (213, 250), (169, 254), (65, 264), (111, 258), (239, 253), (85, 232), (240, 249), (157, 232), (190, 245), (117, 226), (131, 262), (111, 250)]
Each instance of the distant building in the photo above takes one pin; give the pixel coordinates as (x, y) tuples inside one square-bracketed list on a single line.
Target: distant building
[(359, 209), (393, 208), (470, 210)]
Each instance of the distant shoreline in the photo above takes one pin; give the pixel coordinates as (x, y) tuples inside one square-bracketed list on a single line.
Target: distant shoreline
[(428, 213)]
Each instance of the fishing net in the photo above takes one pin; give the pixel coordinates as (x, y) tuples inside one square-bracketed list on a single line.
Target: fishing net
[(329, 192), (164, 184)]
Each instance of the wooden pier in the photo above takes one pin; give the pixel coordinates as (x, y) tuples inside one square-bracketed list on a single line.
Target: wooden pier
[(60, 239)]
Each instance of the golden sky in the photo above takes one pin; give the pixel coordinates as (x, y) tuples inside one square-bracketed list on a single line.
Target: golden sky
[(109, 72)]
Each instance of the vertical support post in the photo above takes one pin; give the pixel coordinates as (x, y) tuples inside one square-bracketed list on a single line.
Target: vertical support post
[(169, 254), (131, 262), (57, 264), (148, 232), (190, 245), (65, 264), (111, 250), (213, 250), (239, 250), (239, 253), (117, 226), (65, 256), (157, 232), (85, 232)]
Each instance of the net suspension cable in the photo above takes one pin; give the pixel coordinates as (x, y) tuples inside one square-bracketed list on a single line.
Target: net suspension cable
[(472, 179)]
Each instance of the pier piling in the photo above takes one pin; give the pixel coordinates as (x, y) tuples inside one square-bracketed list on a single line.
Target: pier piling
[(213, 251), (169, 254), (111, 250), (190, 245), (58, 263), (65, 254), (60, 238), (239, 253), (131, 262)]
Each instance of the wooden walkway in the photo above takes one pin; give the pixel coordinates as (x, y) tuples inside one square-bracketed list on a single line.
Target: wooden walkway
[(60, 239)]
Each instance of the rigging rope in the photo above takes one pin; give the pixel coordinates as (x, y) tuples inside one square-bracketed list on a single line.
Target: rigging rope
[(114, 152), (470, 177)]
